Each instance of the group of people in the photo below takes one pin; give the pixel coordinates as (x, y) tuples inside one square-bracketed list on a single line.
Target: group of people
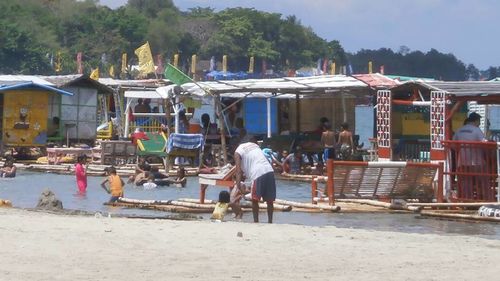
[(112, 184), (150, 177), (147, 176), (335, 146)]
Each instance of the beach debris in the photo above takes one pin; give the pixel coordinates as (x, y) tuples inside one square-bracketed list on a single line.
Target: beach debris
[(239, 234), (5, 203), (48, 201)]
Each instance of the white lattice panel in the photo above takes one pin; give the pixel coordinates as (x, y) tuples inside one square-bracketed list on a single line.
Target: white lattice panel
[(438, 116), (384, 118)]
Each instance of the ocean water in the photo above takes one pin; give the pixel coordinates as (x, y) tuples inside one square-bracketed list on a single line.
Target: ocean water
[(25, 189)]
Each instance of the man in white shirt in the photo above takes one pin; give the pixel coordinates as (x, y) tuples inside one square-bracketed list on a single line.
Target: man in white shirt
[(252, 163)]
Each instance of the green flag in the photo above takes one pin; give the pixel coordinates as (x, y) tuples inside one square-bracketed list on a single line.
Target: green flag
[(176, 76)]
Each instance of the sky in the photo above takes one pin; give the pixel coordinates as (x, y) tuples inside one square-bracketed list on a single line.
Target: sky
[(465, 28)]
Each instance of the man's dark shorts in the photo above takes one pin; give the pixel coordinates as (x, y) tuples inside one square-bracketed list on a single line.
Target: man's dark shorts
[(264, 187)]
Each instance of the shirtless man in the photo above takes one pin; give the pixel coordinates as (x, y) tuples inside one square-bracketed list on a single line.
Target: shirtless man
[(345, 142), (328, 142)]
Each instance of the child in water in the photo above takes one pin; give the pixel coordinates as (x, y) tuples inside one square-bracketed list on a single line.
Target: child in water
[(180, 180), (221, 206), (115, 184), (81, 174), (150, 184), (8, 170)]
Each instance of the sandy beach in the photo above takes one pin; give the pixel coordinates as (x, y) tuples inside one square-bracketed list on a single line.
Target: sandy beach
[(42, 246)]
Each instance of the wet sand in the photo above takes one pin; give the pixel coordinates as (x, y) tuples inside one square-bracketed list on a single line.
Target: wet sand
[(41, 246)]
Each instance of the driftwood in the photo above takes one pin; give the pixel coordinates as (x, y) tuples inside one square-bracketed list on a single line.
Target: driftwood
[(453, 216), (391, 206)]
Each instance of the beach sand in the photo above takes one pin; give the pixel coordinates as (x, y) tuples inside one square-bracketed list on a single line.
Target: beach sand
[(42, 246)]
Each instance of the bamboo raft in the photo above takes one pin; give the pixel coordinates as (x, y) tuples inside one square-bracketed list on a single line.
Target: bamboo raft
[(93, 169), (188, 205), (471, 217)]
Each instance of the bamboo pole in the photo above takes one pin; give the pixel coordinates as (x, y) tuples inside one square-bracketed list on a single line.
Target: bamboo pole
[(387, 205), (458, 216), (220, 115), (166, 208), (308, 205), (451, 205)]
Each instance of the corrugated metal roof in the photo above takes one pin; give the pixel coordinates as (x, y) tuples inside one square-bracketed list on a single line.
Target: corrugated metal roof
[(456, 88), (32, 85), (468, 88), (304, 86), (77, 80), (377, 80), (18, 79), (146, 83)]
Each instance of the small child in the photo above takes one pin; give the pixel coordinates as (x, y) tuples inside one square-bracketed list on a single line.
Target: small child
[(115, 184), (150, 184), (81, 174), (221, 206)]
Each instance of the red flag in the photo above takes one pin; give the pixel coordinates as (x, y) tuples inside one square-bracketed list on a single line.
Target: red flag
[(325, 66), (79, 65), (160, 68), (264, 68)]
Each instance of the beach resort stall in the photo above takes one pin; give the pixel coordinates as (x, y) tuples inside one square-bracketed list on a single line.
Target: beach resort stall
[(116, 106), (78, 116), (24, 109), (430, 112), (294, 104)]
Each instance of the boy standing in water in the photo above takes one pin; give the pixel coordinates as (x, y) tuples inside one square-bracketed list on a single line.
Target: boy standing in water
[(115, 184), (345, 142), (81, 174)]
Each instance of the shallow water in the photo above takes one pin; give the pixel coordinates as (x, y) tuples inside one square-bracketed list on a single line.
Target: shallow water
[(25, 189)]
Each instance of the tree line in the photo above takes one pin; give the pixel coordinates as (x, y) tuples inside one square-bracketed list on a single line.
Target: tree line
[(44, 36)]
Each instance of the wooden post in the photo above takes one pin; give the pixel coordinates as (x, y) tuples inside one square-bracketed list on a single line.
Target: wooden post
[(203, 189), (297, 113), (329, 181), (314, 189), (222, 128), (440, 179)]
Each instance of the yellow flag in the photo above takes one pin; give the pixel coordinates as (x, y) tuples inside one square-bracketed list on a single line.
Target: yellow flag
[(146, 63), (176, 60), (58, 64), (112, 71), (193, 64), (370, 67), (251, 64), (332, 68), (124, 63), (224, 63), (95, 74)]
